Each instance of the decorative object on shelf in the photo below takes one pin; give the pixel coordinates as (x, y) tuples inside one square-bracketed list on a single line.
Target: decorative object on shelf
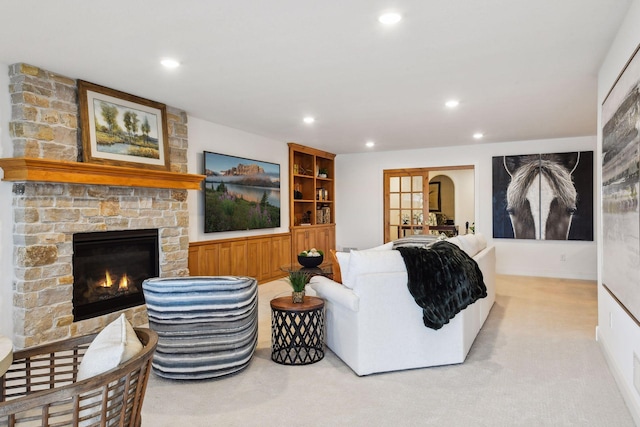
[(304, 171), (323, 172), (311, 258), (306, 218), (322, 194), (298, 280), (323, 215), (143, 143)]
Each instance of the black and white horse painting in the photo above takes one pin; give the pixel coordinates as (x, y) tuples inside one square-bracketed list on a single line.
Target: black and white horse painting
[(543, 196)]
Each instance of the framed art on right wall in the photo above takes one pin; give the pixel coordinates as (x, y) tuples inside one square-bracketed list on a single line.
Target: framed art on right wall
[(620, 187), (543, 196)]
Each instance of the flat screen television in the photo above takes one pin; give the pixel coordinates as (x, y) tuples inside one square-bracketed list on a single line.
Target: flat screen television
[(240, 193)]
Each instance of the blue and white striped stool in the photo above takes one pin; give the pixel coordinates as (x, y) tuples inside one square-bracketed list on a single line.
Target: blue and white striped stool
[(207, 326)]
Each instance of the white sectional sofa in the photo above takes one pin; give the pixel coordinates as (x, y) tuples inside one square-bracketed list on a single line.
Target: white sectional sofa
[(373, 323)]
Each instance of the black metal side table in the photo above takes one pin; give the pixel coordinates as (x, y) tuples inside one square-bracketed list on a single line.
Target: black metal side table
[(297, 331)]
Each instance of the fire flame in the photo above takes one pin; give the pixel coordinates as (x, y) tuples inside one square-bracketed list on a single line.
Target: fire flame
[(124, 283), (107, 280)]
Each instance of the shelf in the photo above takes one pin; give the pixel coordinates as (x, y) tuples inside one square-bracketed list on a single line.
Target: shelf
[(40, 170)]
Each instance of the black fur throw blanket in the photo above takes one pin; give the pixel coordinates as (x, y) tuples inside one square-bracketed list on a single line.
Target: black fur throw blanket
[(443, 280)]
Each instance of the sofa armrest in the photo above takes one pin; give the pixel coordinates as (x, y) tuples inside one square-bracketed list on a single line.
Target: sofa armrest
[(335, 292)]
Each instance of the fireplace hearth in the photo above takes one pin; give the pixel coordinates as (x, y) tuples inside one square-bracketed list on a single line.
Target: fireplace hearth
[(109, 268)]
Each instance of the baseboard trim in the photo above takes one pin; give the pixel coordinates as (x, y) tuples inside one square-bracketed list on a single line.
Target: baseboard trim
[(627, 393)]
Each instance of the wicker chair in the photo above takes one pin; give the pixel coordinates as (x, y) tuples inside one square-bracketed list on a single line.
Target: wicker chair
[(40, 387)]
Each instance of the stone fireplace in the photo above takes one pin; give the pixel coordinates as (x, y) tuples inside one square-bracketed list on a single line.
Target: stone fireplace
[(56, 197)]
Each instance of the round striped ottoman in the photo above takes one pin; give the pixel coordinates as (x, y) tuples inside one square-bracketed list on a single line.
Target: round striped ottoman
[(207, 326)]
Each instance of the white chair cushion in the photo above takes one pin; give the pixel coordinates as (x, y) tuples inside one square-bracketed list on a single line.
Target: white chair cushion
[(114, 345)]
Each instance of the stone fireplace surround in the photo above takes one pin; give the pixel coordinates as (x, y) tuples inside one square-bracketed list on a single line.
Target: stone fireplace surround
[(44, 125)]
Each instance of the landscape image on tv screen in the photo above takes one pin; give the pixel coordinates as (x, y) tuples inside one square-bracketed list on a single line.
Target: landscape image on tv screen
[(240, 193)]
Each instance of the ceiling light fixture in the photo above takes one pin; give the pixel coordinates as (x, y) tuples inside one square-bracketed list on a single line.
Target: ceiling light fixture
[(308, 120), (390, 18), (370, 144), (452, 103), (478, 135), (170, 63)]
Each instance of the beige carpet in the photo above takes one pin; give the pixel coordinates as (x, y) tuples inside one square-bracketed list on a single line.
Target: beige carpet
[(535, 362)]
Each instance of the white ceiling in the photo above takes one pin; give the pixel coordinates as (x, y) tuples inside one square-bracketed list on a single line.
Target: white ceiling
[(522, 69)]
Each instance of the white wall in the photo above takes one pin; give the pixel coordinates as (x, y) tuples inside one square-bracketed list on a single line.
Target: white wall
[(618, 334), (359, 204), (207, 136), (6, 216)]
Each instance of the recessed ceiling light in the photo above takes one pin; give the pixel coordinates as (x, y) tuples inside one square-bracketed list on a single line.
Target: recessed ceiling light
[(308, 120), (478, 135), (390, 18), (170, 63), (452, 103), (370, 144)]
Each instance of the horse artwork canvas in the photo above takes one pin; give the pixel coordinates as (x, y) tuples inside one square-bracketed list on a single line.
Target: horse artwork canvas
[(543, 196)]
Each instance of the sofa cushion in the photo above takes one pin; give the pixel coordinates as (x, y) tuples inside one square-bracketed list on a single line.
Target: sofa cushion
[(470, 243), (372, 261), (114, 345), (345, 257)]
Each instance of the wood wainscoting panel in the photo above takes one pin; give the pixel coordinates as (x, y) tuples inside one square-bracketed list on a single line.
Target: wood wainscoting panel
[(256, 256)]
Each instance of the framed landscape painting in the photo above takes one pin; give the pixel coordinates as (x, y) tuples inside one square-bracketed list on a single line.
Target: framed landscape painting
[(240, 193), (121, 129)]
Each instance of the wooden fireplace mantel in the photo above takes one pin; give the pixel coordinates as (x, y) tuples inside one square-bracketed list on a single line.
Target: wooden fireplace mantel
[(42, 170)]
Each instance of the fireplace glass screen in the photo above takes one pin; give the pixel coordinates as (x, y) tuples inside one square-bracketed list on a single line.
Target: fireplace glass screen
[(109, 268)]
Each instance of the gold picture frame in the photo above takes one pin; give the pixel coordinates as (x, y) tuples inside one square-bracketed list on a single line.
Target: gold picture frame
[(120, 129)]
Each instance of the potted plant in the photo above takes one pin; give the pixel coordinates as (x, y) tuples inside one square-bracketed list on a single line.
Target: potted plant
[(298, 280), (323, 172)]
